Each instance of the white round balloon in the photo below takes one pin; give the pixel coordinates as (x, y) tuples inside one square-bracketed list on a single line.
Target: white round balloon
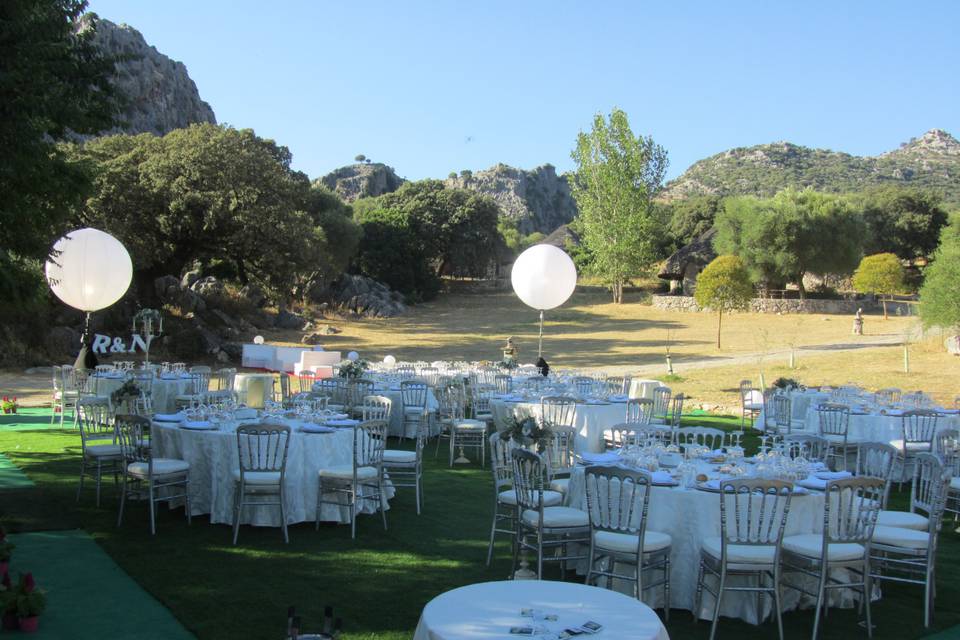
[(353, 356), (390, 360), (90, 269), (544, 276), (258, 340)]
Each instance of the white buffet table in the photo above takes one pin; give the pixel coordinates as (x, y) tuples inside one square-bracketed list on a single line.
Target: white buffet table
[(488, 610), (213, 458)]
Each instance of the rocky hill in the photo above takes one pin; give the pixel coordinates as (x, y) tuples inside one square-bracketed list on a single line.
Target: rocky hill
[(538, 199), (160, 96), (362, 180), (931, 161)]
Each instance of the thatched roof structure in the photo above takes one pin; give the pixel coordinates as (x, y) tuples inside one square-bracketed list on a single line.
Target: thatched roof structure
[(561, 236), (698, 253)]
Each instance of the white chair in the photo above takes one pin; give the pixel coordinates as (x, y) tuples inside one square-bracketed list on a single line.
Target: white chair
[(618, 501), (661, 405), (918, 428), (199, 387), (849, 516), (360, 480), (948, 448), (701, 436), (777, 416), (414, 395), (558, 410), (356, 391), (639, 411), (98, 440), (262, 451), (751, 402), (621, 435), (405, 468), (908, 555), (834, 421), (160, 477), (753, 514), (811, 447), (376, 408), (560, 455), (541, 527), (481, 396)]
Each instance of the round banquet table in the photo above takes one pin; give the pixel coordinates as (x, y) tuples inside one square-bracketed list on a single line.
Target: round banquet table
[(164, 390), (589, 419), (254, 389), (488, 610), (395, 426), (213, 458), (643, 388)]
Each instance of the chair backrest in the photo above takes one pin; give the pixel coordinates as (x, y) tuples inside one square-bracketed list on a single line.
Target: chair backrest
[(753, 512), (263, 448), (639, 410), (618, 385), (620, 435), (104, 368), (806, 445), (560, 449), (661, 401), (928, 485), (889, 395), (369, 442), (503, 383), (94, 420), (782, 416), (133, 435), (501, 463), (376, 408), (919, 427), (618, 500), (583, 385), (876, 459), (702, 436), (357, 390), (225, 378), (284, 381), (57, 378), (482, 394), (834, 419), (850, 510), (947, 446), (676, 410), (414, 394), (529, 472), (558, 410), (307, 378), (200, 380)]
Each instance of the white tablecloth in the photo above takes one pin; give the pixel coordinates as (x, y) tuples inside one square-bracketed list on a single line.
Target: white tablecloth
[(691, 515), (643, 388), (488, 610), (589, 419), (165, 391), (213, 458), (253, 389)]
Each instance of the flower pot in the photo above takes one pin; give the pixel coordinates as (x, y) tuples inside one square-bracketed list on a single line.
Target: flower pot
[(10, 622), (29, 624)]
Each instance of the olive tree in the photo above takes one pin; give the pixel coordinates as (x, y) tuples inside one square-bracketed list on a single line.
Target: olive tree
[(724, 285), (881, 274)]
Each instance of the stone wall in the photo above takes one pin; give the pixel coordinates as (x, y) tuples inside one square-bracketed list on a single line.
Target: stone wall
[(773, 305)]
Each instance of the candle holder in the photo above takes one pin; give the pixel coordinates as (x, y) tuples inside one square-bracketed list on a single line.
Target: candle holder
[(151, 326)]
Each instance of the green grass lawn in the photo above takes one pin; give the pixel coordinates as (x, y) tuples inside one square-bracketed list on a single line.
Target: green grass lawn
[(378, 583)]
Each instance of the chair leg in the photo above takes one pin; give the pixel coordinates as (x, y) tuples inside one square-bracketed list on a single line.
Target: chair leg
[(493, 530), (283, 519), (186, 499), (666, 589), (237, 499), (83, 464), (319, 496), (698, 597), (867, 589), (153, 516), (123, 500), (383, 501), (821, 590), (416, 487), (98, 481), (776, 600), (719, 599), (353, 513)]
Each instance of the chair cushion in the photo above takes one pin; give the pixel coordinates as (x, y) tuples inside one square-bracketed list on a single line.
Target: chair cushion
[(258, 477), (911, 446), (560, 484), (900, 537), (345, 472), (741, 557), (811, 544), (627, 543), (392, 455), (557, 517), (753, 406), (550, 498), (103, 450), (902, 519), (161, 467), (470, 425)]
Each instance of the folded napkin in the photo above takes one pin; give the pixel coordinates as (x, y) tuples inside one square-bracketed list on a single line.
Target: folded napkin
[(169, 417), (198, 425), (595, 401), (712, 485), (343, 423), (833, 475), (662, 477), (245, 414), (714, 453), (607, 457), (813, 482), (317, 428)]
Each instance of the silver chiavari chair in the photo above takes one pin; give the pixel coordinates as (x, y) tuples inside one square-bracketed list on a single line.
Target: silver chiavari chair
[(98, 441), (811, 447), (503, 383), (834, 421), (560, 456), (661, 405), (405, 468), (262, 451), (558, 410), (918, 429)]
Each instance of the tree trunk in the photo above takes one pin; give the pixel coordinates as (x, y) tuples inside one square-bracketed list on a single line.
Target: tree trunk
[(617, 289), (803, 292), (883, 301), (719, 323)]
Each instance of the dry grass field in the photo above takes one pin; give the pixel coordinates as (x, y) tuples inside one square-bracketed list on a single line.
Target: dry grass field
[(590, 332)]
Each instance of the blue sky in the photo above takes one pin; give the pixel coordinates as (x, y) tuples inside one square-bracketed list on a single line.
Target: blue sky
[(435, 87)]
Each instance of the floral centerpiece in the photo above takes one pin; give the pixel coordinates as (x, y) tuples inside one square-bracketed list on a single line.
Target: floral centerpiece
[(353, 369), (6, 550), (128, 391), (528, 431), (31, 602), (9, 405), (786, 383), (507, 364)]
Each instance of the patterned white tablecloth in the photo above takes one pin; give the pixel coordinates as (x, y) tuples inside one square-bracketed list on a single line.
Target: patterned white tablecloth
[(165, 391), (589, 419), (488, 610), (213, 458)]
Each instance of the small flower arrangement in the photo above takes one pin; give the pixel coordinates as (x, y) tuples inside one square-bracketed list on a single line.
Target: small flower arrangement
[(352, 369), (528, 430), (127, 391), (786, 383), (31, 601), (9, 405), (508, 364)]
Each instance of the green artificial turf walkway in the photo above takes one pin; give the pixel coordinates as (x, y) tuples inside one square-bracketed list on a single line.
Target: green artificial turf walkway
[(11, 476), (377, 583), (88, 595)]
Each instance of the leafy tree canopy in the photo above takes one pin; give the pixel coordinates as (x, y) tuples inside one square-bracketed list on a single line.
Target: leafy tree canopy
[(724, 285), (616, 178), (692, 217), (940, 294), (782, 238), (903, 221), (880, 273)]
